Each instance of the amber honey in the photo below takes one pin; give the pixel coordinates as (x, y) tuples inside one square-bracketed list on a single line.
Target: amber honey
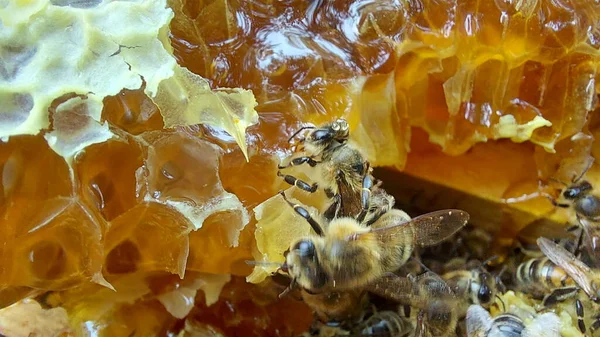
[(490, 91)]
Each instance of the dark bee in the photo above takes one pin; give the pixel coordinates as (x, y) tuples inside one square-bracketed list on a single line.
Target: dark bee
[(475, 286), (578, 195)]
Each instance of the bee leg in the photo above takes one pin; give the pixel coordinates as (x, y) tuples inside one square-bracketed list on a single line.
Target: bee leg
[(577, 248), (365, 198), (298, 183), (304, 213), (595, 325), (333, 209), (559, 295), (580, 313), (299, 161)]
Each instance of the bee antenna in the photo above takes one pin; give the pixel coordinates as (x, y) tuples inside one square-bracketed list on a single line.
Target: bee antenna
[(300, 130), (288, 289), (587, 167), (501, 301), (559, 182)]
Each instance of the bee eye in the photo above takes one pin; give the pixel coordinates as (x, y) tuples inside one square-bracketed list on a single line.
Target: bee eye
[(321, 135), (484, 294), (305, 248), (570, 193), (335, 126)]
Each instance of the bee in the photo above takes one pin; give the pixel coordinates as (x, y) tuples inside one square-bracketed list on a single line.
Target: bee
[(343, 173), (350, 255), (543, 279), (435, 302), (336, 308), (475, 286), (578, 196), (481, 324), (585, 278), (386, 323)]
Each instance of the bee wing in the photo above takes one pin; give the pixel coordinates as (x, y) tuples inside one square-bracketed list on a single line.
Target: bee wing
[(427, 229), (399, 289), (592, 234), (545, 325), (418, 292), (479, 321), (351, 203), (576, 269)]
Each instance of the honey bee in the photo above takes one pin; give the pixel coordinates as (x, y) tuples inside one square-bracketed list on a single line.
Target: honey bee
[(475, 286), (386, 323), (336, 307), (481, 324), (429, 294), (578, 196), (350, 255), (543, 279), (585, 278), (343, 173)]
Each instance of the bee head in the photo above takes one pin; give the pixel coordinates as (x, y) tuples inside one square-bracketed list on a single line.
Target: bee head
[(341, 130), (303, 265), (335, 131), (577, 191), (487, 285)]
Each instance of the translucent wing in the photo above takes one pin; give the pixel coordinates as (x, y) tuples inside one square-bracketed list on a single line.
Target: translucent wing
[(479, 321), (417, 292), (350, 198), (399, 289), (592, 235), (545, 325), (576, 269), (427, 229)]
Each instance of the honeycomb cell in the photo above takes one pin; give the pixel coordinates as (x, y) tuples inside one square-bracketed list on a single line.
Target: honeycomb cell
[(182, 171), (48, 260), (106, 183), (238, 312), (124, 258), (31, 170), (132, 111), (148, 237), (215, 236), (56, 246)]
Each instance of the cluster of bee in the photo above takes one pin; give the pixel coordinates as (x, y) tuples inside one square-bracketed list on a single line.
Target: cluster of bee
[(371, 270)]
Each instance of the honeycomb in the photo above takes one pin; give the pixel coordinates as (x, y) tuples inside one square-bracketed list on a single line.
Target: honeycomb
[(140, 142)]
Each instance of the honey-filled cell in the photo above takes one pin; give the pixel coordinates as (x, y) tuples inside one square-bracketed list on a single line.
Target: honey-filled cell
[(148, 237), (106, 183), (133, 112), (57, 246)]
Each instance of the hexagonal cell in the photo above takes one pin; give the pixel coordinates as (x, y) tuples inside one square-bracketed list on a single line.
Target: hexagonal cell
[(31, 170), (132, 111), (148, 237), (182, 171), (107, 178), (56, 245)]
